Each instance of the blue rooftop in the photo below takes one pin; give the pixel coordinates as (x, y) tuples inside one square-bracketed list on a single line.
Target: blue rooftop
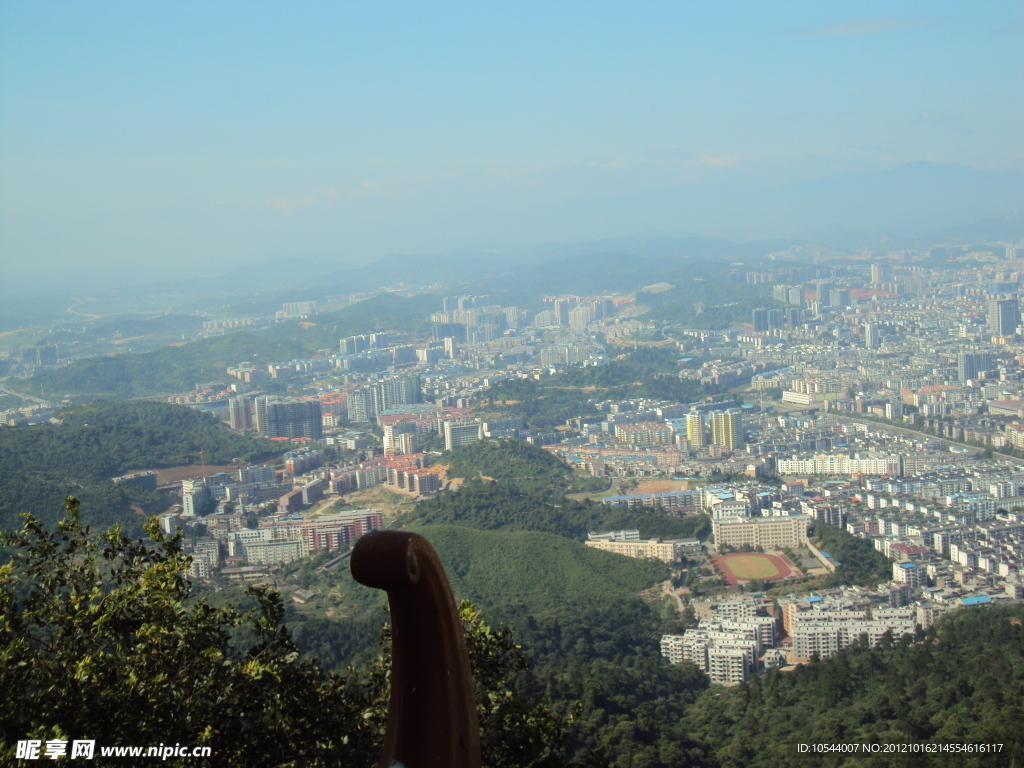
[(976, 600)]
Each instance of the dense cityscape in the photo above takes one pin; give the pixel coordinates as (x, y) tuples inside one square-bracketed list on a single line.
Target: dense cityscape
[(512, 385), (883, 398)]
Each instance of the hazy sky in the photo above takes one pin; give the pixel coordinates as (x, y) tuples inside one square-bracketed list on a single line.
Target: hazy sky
[(210, 133)]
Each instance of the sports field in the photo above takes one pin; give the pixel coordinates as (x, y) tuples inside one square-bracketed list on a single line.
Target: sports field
[(744, 566)]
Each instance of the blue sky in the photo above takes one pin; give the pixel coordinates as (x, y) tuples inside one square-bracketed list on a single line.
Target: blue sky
[(209, 134)]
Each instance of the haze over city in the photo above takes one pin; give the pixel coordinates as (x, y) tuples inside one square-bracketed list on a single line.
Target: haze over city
[(162, 139), (663, 363)]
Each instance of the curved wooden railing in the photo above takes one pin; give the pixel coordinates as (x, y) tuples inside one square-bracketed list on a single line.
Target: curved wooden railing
[(432, 721)]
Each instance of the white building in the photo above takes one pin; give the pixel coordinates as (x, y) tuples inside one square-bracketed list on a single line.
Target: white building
[(765, 532)]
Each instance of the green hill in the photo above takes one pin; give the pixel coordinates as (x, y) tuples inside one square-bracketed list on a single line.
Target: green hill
[(501, 506), (42, 464), (177, 369), (549, 402), (518, 463), (539, 571)]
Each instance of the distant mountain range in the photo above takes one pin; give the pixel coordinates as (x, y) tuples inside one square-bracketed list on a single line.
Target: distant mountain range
[(917, 205)]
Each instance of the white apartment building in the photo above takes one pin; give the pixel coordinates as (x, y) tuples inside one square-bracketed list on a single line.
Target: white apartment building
[(910, 574), (765, 532), (828, 632), (841, 465), (726, 654)]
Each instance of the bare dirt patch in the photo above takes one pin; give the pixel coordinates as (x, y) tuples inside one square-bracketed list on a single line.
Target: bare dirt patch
[(391, 502), (660, 486)]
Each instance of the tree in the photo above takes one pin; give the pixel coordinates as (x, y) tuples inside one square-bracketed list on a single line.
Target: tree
[(100, 639)]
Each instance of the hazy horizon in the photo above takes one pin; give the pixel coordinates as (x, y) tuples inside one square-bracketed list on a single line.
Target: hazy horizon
[(198, 138)]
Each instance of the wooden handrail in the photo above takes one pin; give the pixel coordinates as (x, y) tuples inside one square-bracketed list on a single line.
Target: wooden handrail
[(432, 720)]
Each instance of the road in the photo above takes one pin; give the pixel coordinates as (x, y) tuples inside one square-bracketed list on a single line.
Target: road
[(6, 391), (667, 589)]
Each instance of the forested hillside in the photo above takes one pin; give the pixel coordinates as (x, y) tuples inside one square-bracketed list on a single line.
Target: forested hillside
[(712, 305), (501, 506), (536, 574), (549, 402), (179, 369), (517, 463), (860, 563), (594, 650), (42, 464), (961, 682)]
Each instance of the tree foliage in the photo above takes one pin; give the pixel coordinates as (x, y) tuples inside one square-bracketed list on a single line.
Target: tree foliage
[(99, 640), (500, 506), (962, 681), (549, 402), (179, 368), (514, 462), (42, 464), (860, 562)]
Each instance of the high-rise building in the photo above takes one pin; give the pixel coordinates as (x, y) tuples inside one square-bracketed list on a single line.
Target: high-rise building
[(727, 428), (839, 298), (39, 354), (871, 335), (881, 273), (257, 474), (396, 437), (695, 429), (401, 390), (580, 316), (354, 344), (970, 365), (561, 311), (360, 406), (196, 498), (759, 320), (456, 331), (287, 417), (776, 319), (459, 432), (1003, 316), (796, 296), (240, 413), (298, 308)]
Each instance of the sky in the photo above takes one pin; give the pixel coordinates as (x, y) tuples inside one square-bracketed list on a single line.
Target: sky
[(187, 137)]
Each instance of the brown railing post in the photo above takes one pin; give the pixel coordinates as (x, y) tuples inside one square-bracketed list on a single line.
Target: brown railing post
[(432, 720)]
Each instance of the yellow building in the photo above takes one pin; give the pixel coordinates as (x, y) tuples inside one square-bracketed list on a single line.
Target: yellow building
[(695, 429), (664, 551), (727, 429)]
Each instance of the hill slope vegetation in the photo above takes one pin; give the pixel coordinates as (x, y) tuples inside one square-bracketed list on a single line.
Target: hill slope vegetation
[(42, 464)]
